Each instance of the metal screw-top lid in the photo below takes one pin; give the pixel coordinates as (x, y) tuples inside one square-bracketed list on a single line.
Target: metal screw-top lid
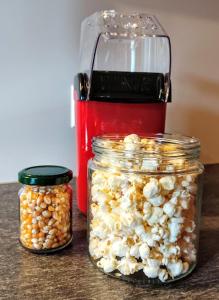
[(45, 175)]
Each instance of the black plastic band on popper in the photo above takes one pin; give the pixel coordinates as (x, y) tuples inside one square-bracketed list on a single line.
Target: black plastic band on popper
[(81, 86), (128, 87)]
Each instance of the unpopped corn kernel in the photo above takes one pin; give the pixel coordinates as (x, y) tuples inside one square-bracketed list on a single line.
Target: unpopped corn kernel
[(38, 228)]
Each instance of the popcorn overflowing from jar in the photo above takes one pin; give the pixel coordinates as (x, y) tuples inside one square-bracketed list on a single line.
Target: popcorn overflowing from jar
[(144, 206)]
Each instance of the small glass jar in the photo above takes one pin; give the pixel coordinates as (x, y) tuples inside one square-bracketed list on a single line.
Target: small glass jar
[(45, 201), (144, 206)]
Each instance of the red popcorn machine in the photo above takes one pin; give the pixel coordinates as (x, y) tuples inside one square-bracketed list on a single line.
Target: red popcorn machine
[(124, 84)]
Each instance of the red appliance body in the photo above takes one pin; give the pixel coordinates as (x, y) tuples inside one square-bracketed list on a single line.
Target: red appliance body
[(95, 118)]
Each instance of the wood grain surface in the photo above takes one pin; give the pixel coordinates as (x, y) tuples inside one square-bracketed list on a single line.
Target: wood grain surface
[(70, 275)]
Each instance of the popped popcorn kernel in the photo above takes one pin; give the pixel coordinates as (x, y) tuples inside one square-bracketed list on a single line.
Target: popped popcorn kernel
[(151, 272)]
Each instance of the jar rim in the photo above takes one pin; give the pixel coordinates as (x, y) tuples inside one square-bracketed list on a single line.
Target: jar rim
[(183, 145)]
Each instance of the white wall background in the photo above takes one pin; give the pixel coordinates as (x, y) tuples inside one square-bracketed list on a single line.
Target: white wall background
[(39, 43)]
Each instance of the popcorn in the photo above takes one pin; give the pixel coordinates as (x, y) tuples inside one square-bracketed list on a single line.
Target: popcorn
[(108, 264), (163, 275), (154, 263), (128, 266), (185, 267), (169, 209), (157, 201), (109, 221), (147, 210), (95, 248), (156, 237), (119, 248), (189, 178), (151, 189), (192, 188), (99, 231), (134, 251), (187, 238), (139, 230), (179, 164), (127, 219), (184, 204), (126, 199), (178, 211), (132, 139), (175, 268), (157, 213), (126, 202), (155, 229), (163, 219), (132, 142), (185, 183), (147, 237), (168, 182), (175, 229), (184, 194), (98, 179), (190, 228), (165, 261), (151, 272), (114, 182), (142, 221), (102, 198), (169, 250), (135, 179), (175, 250), (149, 165), (192, 255), (170, 168), (144, 251), (176, 193)]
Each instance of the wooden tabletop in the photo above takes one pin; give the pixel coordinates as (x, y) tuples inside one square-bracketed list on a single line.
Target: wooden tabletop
[(70, 275)]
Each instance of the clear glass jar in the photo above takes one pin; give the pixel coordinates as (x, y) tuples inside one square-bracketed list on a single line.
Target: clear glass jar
[(144, 206), (45, 201)]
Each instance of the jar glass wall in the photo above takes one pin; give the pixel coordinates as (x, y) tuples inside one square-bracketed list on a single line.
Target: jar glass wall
[(144, 207), (45, 214)]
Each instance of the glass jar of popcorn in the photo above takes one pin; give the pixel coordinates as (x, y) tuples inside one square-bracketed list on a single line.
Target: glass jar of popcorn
[(144, 206), (45, 208)]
